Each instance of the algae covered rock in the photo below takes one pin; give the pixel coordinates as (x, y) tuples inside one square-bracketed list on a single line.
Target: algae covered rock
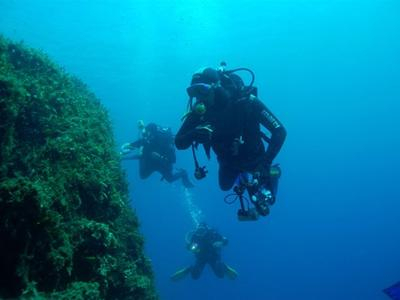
[(66, 228)]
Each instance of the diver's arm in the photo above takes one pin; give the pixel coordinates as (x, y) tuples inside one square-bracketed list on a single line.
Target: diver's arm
[(126, 150), (270, 122), (220, 241), (187, 133), (136, 144), (219, 238)]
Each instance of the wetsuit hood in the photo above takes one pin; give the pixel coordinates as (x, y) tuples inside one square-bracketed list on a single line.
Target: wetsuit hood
[(205, 75)]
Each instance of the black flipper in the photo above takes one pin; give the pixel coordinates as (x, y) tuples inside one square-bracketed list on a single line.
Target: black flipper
[(393, 291)]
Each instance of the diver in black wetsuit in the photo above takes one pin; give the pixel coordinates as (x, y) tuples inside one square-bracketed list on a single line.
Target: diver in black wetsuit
[(206, 244), (156, 152), (226, 117)]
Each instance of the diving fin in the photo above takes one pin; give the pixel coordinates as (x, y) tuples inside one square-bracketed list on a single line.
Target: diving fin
[(180, 274), (393, 291), (230, 272)]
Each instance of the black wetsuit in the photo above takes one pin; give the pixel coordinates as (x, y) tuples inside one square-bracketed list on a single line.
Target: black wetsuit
[(207, 253), (158, 154), (237, 137)]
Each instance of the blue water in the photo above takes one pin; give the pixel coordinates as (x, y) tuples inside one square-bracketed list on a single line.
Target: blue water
[(330, 70)]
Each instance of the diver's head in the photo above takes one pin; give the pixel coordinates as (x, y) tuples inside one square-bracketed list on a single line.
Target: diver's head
[(202, 225), (203, 88), (140, 125), (206, 75), (151, 127), (204, 95), (202, 228), (150, 131)]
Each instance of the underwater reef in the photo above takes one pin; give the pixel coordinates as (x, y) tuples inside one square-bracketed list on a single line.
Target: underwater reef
[(67, 230)]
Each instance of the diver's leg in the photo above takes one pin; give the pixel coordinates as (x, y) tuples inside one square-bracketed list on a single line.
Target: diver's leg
[(227, 176), (197, 269), (171, 176), (145, 169), (218, 267), (167, 173)]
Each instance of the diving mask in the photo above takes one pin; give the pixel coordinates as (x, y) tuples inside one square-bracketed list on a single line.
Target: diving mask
[(199, 90), (204, 94)]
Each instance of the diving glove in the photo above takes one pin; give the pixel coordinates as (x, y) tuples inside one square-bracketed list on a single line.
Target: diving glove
[(125, 148)]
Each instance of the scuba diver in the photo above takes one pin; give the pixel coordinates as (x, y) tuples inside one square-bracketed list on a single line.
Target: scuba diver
[(156, 152), (206, 244), (226, 117)]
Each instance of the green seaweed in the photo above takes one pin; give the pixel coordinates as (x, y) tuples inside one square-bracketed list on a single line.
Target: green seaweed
[(66, 229)]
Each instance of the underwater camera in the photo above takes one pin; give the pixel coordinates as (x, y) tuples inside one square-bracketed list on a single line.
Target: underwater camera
[(200, 172)]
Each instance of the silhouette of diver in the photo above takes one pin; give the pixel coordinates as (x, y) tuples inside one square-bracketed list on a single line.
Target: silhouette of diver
[(155, 152), (206, 244)]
